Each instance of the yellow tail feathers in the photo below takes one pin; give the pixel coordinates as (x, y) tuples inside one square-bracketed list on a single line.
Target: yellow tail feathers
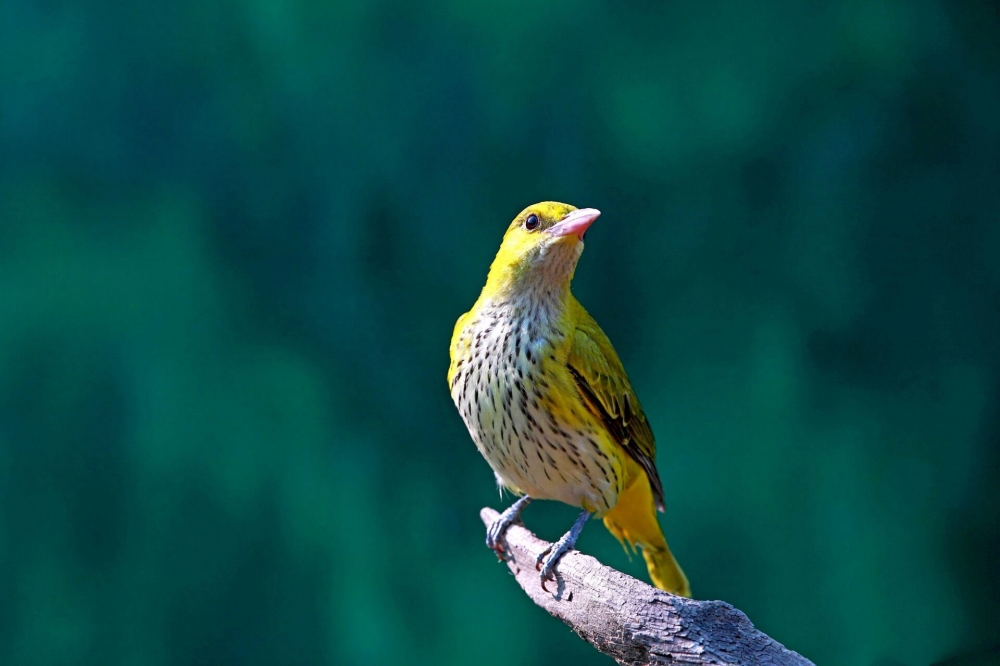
[(633, 521)]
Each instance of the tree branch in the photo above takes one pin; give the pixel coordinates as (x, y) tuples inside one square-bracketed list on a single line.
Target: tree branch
[(635, 623)]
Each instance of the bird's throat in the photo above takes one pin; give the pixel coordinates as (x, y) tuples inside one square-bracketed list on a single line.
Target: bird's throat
[(539, 280)]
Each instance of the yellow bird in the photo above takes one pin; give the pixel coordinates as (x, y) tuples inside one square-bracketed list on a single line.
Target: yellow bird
[(546, 398)]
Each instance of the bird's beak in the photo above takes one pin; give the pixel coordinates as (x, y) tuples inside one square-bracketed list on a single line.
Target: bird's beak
[(576, 222)]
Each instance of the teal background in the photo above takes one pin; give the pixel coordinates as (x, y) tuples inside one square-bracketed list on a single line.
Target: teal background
[(235, 236)]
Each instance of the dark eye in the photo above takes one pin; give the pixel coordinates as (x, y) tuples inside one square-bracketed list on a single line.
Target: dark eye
[(531, 223)]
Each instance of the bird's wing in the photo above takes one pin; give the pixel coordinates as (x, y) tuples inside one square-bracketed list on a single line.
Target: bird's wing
[(606, 391)]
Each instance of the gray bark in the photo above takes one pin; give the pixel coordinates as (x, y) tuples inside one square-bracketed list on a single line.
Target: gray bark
[(635, 623)]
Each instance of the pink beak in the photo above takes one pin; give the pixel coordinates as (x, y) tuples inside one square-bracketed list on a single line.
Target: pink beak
[(576, 222)]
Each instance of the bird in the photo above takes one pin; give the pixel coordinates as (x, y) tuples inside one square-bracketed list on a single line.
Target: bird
[(546, 399)]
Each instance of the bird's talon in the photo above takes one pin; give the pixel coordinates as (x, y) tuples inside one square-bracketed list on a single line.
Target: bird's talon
[(547, 572), (541, 558), (495, 535)]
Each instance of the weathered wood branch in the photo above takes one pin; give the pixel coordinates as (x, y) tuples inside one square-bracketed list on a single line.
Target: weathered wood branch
[(635, 623)]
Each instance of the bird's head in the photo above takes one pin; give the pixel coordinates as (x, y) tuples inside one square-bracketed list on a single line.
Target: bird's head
[(541, 248)]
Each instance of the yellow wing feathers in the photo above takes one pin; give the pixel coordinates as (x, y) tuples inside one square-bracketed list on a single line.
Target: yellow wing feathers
[(606, 391), (608, 394)]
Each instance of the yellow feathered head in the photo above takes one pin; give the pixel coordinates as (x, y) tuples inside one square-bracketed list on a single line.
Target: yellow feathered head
[(541, 248)]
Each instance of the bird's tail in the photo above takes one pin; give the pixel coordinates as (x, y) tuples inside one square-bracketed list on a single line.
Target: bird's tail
[(633, 522)]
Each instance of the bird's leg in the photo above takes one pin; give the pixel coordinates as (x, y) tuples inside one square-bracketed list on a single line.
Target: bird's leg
[(547, 559), (495, 533)]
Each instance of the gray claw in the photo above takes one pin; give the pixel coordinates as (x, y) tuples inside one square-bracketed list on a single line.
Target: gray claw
[(548, 558), (546, 561), (495, 532)]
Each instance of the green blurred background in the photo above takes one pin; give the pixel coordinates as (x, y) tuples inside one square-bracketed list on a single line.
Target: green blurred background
[(235, 236)]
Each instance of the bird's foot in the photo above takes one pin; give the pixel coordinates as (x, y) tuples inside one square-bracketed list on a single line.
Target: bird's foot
[(495, 532), (546, 561)]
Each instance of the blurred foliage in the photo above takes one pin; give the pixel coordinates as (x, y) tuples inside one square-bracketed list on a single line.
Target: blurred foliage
[(234, 238)]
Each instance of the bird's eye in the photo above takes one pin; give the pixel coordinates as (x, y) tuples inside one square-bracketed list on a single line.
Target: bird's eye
[(531, 223)]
